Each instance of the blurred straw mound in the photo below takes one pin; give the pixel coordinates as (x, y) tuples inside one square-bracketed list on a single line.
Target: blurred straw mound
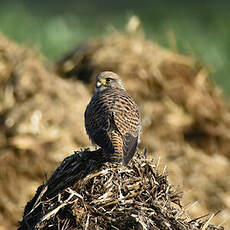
[(41, 120), (186, 120)]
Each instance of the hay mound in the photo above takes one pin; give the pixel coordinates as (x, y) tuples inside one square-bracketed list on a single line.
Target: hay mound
[(85, 194), (39, 116), (176, 90), (185, 118)]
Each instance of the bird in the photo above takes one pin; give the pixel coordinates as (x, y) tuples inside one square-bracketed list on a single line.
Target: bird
[(112, 119)]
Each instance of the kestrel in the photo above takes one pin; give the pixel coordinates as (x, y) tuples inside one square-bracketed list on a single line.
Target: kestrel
[(112, 118)]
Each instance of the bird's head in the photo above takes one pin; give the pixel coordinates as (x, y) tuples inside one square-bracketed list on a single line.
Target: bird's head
[(106, 80)]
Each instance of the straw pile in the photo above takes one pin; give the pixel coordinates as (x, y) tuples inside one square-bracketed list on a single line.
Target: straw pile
[(108, 196), (173, 91), (41, 121), (186, 120)]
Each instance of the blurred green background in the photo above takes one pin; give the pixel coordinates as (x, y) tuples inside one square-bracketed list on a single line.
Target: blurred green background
[(200, 28)]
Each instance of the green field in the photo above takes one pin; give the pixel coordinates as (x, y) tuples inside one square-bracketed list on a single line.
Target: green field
[(200, 29)]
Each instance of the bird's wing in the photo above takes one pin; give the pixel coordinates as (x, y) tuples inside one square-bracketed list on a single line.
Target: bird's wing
[(129, 147), (97, 123), (127, 122)]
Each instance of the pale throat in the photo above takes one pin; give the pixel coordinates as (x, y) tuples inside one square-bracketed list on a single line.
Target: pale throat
[(100, 87)]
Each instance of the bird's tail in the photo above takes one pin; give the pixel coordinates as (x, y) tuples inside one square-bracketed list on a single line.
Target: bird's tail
[(117, 143)]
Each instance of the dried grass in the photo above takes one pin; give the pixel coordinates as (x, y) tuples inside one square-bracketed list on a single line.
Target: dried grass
[(185, 118), (38, 125), (109, 196)]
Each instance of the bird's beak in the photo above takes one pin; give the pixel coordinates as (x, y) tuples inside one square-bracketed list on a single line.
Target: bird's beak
[(100, 82)]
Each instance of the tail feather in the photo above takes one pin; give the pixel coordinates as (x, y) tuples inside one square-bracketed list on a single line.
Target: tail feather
[(117, 142), (116, 147)]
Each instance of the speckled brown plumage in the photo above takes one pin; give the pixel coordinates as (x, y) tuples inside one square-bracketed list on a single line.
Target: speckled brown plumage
[(112, 118)]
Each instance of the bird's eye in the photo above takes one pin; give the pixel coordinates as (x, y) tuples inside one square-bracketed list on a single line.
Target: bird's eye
[(108, 79)]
